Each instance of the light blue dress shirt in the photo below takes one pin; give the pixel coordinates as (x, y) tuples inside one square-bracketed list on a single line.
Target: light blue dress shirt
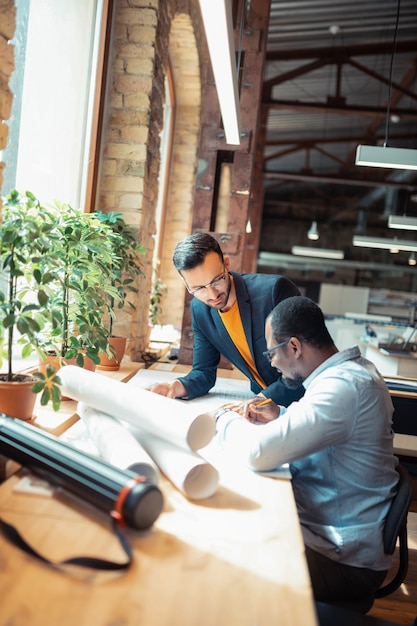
[(339, 443)]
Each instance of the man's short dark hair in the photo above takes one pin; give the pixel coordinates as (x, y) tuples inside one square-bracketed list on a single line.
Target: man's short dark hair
[(191, 251), (299, 316)]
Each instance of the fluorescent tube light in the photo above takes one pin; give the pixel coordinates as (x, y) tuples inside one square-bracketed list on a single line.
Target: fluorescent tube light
[(218, 25), (384, 244), (402, 222), (324, 253), (380, 156)]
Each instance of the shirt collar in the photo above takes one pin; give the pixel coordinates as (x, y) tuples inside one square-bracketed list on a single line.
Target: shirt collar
[(336, 359)]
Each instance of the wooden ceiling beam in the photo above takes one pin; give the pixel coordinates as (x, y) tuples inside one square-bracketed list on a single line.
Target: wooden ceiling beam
[(342, 109), (357, 182), (341, 53)]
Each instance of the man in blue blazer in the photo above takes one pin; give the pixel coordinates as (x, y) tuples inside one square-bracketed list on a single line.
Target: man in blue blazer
[(228, 318)]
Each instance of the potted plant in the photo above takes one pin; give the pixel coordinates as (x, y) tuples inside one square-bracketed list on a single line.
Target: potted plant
[(25, 230), (84, 271), (126, 268), (84, 267)]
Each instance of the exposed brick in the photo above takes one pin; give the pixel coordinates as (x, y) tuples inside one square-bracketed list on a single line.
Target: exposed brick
[(137, 101), (8, 19), (128, 83), (130, 201), (138, 134), (143, 16), (126, 151), (4, 132), (7, 57), (132, 168), (135, 51), (139, 66), (123, 117), (153, 4), (109, 167), (122, 183), (139, 34), (6, 101)]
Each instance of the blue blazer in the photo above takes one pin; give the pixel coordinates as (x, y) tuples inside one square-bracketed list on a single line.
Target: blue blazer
[(257, 295)]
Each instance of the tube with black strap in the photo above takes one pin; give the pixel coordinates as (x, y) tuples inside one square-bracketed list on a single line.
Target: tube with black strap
[(131, 500)]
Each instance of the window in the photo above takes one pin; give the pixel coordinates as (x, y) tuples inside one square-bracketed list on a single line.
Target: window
[(57, 56)]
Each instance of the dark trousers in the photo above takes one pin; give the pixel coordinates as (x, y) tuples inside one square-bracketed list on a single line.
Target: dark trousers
[(342, 585)]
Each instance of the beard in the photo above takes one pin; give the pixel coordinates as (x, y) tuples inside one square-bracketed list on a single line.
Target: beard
[(221, 297), (294, 382)]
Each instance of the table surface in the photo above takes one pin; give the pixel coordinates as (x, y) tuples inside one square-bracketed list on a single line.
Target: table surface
[(236, 558)]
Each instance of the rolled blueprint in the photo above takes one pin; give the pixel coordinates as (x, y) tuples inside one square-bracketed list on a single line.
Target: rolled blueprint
[(187, 470), (116, 444), (175, 420)]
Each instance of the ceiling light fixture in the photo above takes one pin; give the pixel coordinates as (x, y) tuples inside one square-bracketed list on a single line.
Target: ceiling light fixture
[(324, 253), (218, 25), (384, 244), (384, 156), (412, 259), (313, 232), (402, 222)]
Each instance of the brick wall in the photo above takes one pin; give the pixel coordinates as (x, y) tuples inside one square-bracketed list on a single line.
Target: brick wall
[(7, 29), (130, 143), (145, 32)]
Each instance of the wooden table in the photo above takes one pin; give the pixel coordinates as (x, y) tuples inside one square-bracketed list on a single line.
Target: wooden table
[(234, 559)]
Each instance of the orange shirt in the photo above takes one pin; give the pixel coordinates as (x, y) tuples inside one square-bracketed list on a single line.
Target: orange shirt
[(233, 324)]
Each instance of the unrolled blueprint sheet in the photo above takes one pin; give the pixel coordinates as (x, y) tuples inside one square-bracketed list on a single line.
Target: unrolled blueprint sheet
[(225, 389)]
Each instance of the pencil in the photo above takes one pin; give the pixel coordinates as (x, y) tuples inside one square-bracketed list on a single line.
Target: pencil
[(267, 401)]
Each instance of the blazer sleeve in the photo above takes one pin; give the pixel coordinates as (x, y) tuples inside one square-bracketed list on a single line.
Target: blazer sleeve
[(206, 357)]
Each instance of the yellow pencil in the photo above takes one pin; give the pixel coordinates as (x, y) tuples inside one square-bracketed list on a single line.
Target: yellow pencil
[(267, 401)]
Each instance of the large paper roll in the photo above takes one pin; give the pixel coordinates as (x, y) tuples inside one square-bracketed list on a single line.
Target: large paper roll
[(116, 444), (187, 470), (173, 420)]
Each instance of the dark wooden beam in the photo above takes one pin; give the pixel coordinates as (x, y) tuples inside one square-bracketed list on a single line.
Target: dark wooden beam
[(340, 53)]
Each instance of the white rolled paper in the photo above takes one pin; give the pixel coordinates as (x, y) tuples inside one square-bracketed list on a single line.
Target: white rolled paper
[(187, 470), (174, 420), (116, 444)]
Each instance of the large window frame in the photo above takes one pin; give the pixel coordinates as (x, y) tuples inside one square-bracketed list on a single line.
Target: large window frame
[(58, 84)]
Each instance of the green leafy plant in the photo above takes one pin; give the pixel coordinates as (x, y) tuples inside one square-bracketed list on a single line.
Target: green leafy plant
[(127, 250), (84, 267), (158, 290), (25, 245)]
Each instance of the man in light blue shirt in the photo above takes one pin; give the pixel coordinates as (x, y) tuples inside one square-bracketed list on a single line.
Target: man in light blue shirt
[(339, 443)]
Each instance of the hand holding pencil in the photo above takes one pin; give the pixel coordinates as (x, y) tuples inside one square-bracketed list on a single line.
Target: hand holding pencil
[(259, 409)]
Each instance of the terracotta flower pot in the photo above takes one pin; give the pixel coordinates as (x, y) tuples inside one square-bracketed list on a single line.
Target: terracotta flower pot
[(119, 345), (17, 398)]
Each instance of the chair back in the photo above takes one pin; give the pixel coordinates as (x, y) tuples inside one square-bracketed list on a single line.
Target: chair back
[(398, 512), (396, 528)]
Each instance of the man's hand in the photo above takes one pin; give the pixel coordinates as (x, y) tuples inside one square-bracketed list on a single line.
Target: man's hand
[(259, 410), (251, 409), (172, 389)]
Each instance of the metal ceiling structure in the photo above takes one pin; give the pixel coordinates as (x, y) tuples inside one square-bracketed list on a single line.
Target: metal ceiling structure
[(331, 68)]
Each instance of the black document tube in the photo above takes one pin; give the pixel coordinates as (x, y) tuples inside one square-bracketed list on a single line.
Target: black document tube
[(132, 499)]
